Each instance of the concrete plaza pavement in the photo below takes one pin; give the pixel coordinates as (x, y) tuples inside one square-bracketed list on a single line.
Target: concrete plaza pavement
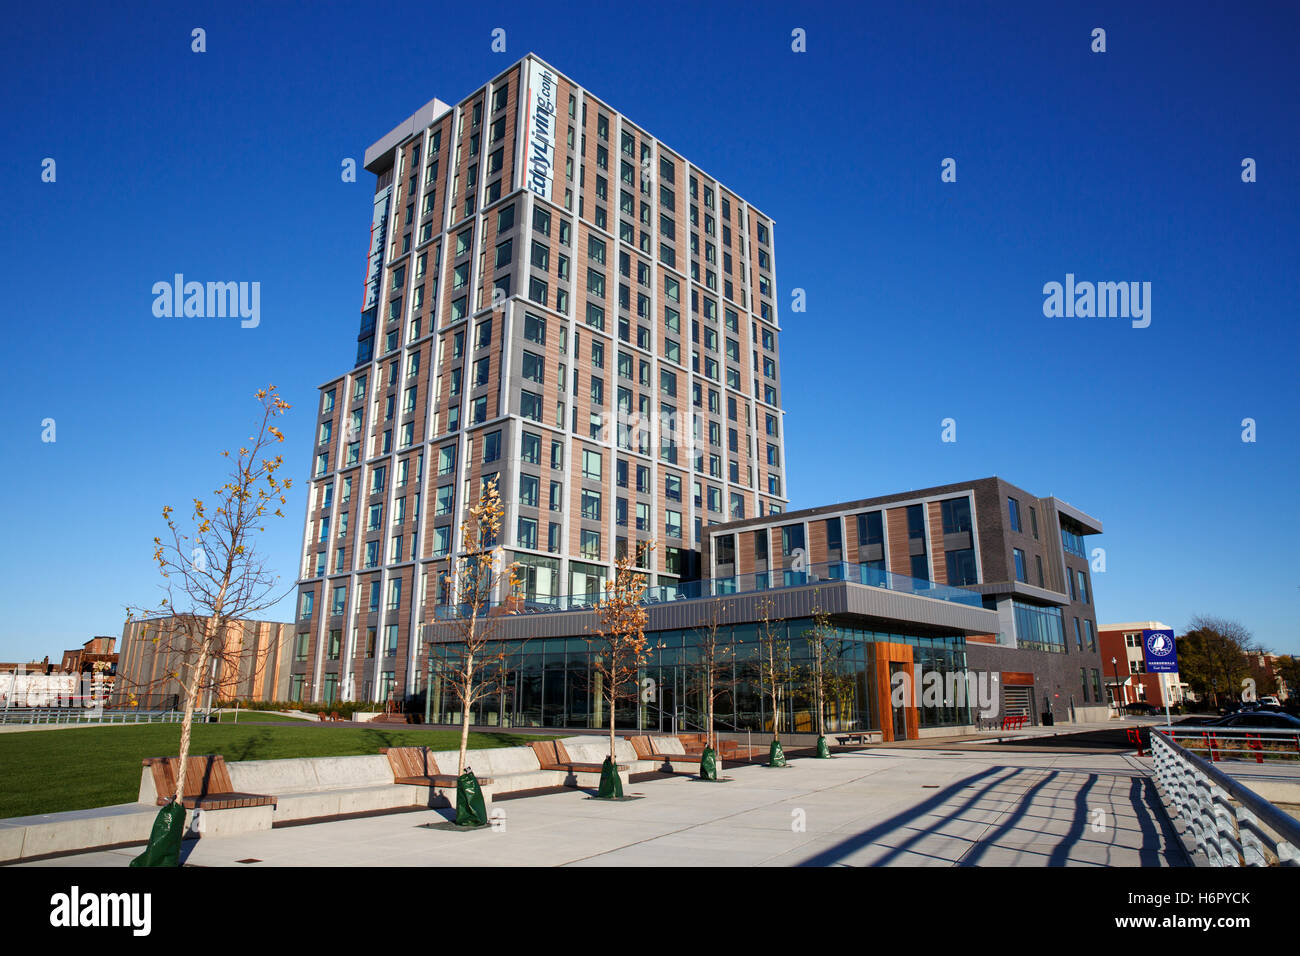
[(879, 807)]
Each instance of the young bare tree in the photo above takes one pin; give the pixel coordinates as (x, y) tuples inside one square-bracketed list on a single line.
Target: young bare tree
[(828, 682), (715, 674), (473, 660), (775, 668), (618, 643), (213, 576), (819, 638)]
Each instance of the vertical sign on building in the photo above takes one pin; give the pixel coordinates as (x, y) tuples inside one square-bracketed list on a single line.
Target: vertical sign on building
[(375, 262), (374, 274), (539, 157)]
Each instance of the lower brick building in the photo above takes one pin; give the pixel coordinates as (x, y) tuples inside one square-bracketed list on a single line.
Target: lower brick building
[(1127, 679), (1024, 555)]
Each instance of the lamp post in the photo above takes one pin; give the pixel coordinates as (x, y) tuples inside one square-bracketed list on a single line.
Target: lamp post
[(1114, 666)]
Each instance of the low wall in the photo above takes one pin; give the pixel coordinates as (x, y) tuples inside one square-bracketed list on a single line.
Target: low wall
[(306, 788)]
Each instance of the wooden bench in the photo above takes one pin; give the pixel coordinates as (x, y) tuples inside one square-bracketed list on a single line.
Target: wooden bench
[(846, 739), (552, 755), (694, 745), (645, 750), (416, 766), (207, 784)]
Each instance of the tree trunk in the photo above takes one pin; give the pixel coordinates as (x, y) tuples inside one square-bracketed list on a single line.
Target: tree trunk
[(466, 692), (821, 696), (613, 699), (710, 736), (187, 722)]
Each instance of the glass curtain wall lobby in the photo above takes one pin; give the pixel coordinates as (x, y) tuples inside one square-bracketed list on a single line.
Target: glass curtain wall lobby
[(549, 683)]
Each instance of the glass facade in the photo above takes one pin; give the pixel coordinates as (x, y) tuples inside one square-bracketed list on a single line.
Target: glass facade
[(549, 683), (1039, 628)]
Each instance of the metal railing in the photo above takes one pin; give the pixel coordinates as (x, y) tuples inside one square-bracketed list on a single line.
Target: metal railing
[(90, 715), (1238, 743), (778, 580), (1223, 819)]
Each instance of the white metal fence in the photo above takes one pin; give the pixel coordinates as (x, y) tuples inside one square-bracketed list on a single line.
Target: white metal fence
[(1223, 819), (90, 715)]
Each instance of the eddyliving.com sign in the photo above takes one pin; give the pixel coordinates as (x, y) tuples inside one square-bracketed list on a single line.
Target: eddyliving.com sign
[(539, 160), (375, 259)]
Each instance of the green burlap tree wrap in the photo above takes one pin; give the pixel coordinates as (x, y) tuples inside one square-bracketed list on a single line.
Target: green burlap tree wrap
[(610, 784), (776, 756), (164, 847), (470, 811), (709, 764)]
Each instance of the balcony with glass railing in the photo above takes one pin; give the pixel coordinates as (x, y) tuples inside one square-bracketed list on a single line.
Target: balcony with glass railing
[(740, 584)]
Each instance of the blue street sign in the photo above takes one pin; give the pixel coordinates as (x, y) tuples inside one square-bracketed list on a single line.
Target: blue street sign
[(1158, 649)]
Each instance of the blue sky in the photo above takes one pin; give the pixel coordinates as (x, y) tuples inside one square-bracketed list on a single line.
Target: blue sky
[(924, 299)]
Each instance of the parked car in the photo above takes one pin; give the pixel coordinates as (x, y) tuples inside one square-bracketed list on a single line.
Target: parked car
[(1197, 720), (1141, 707), (1262, 719)]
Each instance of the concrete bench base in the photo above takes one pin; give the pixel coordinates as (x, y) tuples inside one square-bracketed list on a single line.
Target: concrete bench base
[(219, 823), (127, 823), (22, 837), (312, 788)]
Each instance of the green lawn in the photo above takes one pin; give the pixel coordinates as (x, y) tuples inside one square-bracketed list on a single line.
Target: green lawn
[(259, 717), (46, 771)]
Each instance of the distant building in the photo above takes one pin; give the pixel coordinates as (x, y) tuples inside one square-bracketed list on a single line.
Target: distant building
[(1127, 680), (1264, 668), (148, 675), (84, 678), (97, 655)]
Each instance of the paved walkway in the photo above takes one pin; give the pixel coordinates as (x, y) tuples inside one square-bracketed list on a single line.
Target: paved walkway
[(882, 807)]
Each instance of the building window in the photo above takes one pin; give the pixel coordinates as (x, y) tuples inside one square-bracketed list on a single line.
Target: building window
[(1020, 565), (961, 567), (1072, 542), (528, 487), (531, 448), (1013, 510), (1039, 628), (956, 515)]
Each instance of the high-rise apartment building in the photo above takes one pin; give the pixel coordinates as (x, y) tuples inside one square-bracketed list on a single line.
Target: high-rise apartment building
[(556, 300)]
